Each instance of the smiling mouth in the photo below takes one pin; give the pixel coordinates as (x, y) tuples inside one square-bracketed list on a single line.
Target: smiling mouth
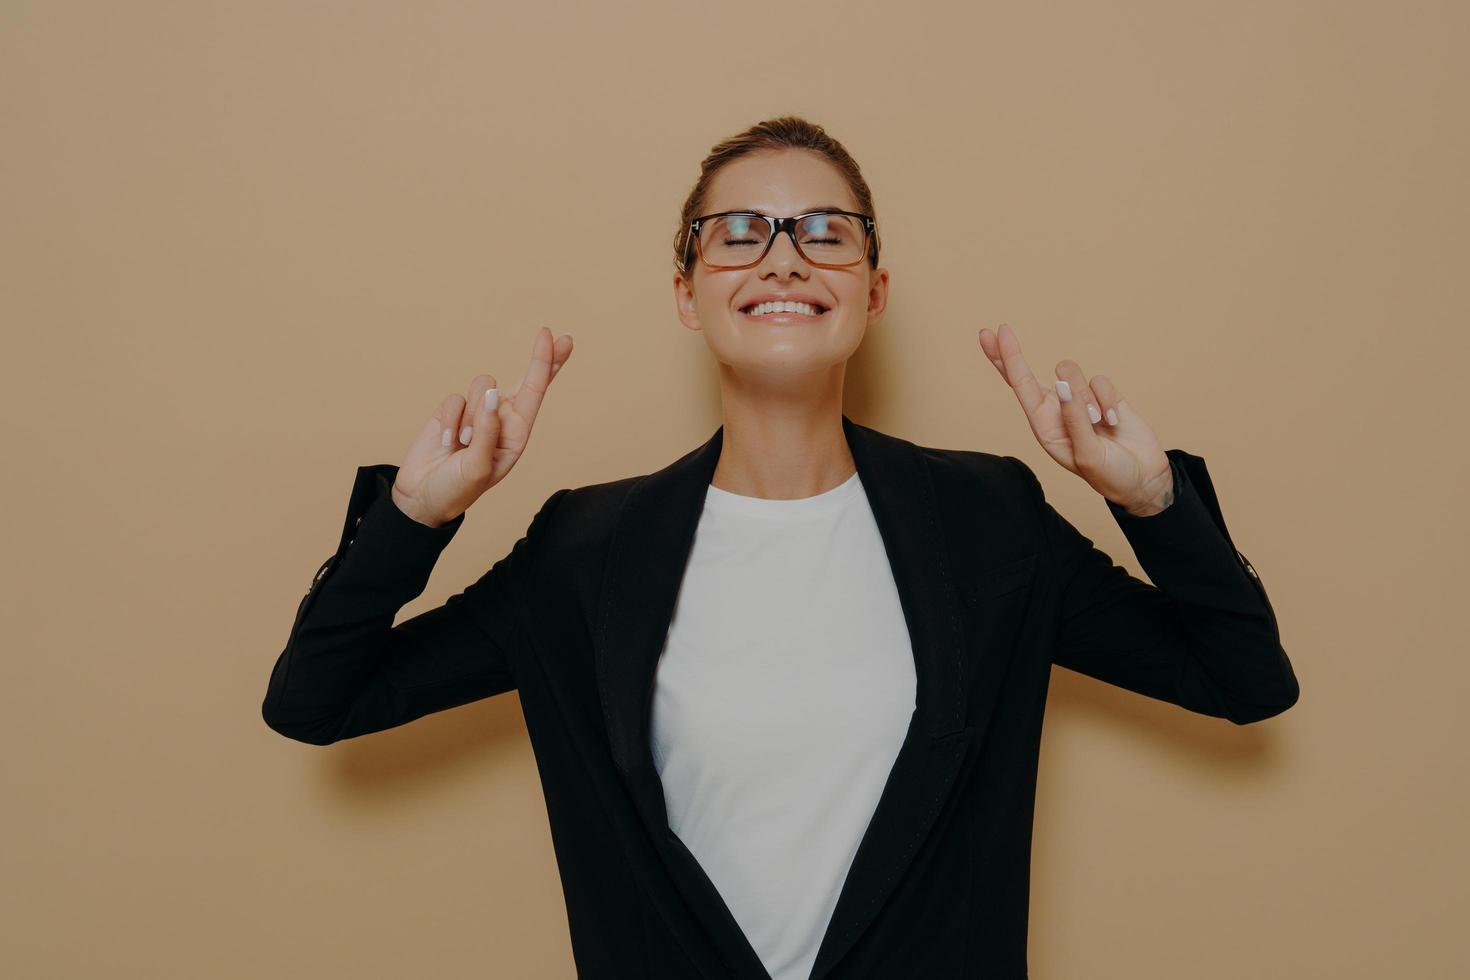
[(778, 312)]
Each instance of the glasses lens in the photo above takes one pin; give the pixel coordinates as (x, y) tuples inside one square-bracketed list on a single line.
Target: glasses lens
[(733, 239), (738, 239)]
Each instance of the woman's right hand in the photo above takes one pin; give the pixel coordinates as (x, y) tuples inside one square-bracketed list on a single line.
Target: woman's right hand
[(470, 444)]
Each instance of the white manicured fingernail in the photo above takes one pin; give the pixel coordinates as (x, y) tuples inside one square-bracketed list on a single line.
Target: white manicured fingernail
[(1093, 413), (1064, 391), (1112, 417), (492, 399), (464, 435), (447, 437)]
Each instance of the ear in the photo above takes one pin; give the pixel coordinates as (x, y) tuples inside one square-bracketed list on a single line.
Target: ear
[(877, 295), (684, 303)]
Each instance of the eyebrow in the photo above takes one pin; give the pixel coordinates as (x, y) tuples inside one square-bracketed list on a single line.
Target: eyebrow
[(819, 207)]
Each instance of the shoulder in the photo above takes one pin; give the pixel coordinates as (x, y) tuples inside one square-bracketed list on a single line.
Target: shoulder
[(593, 505), (586, 508), (972, 473), (985, 497), (573, 527)]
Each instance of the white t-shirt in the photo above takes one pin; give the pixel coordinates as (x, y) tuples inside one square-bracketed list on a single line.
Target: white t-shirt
[(784, 690)]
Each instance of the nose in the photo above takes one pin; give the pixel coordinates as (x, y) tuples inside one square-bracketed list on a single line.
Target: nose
[(783, 258)]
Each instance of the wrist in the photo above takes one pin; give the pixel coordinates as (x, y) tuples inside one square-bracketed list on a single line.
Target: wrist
[(1156, 500), (405, 505)]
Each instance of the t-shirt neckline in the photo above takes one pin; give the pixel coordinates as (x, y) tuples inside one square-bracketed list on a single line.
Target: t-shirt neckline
[(820, 503)]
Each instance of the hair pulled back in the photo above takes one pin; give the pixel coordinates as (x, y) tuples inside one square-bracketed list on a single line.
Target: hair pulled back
[(781, 133)]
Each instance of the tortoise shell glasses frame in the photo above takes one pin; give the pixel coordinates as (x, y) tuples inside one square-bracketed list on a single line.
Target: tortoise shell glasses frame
[(776, 226)]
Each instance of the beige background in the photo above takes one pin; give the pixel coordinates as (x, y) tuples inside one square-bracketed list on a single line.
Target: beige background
[(248, 247)]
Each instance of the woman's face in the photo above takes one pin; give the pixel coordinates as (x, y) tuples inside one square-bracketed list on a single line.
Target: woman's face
[(781, 183)]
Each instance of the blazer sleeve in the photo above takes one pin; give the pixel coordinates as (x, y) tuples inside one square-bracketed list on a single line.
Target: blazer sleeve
[(1204, 636), (346, 670)]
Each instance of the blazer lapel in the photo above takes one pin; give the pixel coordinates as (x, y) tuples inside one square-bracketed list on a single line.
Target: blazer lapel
[(650, 547)]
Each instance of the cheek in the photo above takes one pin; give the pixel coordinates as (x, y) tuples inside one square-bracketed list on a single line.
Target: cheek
[(850, 291), (713, 297), (854, 308)]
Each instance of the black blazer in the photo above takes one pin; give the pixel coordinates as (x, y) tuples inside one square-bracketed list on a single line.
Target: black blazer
[(995, 585)]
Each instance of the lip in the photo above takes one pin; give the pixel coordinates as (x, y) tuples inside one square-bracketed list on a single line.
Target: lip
[(784, 317)]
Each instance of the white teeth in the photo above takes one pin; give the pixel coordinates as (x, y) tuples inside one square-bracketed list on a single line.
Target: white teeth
[(806, 309)]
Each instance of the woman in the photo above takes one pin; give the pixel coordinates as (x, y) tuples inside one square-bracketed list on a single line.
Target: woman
[(785, 694)]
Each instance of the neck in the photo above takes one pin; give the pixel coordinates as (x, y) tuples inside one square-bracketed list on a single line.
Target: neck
[(783, 450)]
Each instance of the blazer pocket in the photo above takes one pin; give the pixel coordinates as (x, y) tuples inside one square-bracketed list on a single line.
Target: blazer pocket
[(1004, 579)]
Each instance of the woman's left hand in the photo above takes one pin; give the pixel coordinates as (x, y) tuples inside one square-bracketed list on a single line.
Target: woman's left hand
[(1116, 452)]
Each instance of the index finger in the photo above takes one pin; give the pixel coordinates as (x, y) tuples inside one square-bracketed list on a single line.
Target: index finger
[(532, 388), (1018, 373)]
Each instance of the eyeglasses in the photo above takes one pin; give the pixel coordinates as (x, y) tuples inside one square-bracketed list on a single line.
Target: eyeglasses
[(736, 239)]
